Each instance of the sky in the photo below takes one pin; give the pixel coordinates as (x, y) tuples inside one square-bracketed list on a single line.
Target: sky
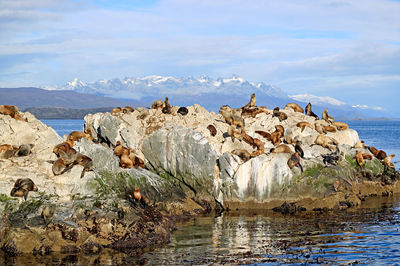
[(348, 50)]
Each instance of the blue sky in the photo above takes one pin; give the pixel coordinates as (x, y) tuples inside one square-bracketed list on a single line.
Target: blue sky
[(349, 50)]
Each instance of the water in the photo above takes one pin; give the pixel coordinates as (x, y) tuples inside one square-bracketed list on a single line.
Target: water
[(368, 235), (63, 127)]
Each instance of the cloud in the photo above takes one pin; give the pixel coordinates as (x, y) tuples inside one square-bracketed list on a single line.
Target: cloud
[(364, 106), (321, 100)]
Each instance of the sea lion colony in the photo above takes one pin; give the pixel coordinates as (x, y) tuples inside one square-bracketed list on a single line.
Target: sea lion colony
[(235, 118)]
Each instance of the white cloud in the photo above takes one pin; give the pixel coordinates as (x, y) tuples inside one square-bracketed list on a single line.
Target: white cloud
[(364, 106), (321, 100)]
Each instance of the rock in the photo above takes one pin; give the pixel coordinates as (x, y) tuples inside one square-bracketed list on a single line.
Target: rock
[(182, 153)]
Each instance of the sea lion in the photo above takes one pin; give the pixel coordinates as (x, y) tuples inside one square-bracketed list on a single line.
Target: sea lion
[(325, 142), (167, 108), (8, 151), (22, 187), (309, 112), (212, 129), (381, 155), (116, 110), (298, 148), (234, 133), (359, 158), (281, 115), (126, 162), (59, 167), (260, 147), (64, 146), (137, 195), (253, 112), (183, 111), (264, 134), (294, 160), (138, 162), (330, 159), (367, 156), (360, 144), (319, 129), (158, 104), (230, 118), (128, 109), (327, 117), (84, 161), (373, 150), (340, 125), (329, 129), (252, 102), (248, 139), (280, 128), (276, 137), (243, 154), (12, 111), (24, 149), (77, 135), (387, 161), (281, 148), (295, 107), (303, 125), (119, 149)]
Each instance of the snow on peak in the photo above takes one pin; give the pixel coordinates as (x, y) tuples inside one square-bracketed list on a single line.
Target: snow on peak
[(76, 82), (320, 100)]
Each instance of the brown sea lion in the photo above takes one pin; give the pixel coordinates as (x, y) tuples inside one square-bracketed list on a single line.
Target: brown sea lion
[(65, 146), (319, 129), (167, 107), (243, 154), (253, 112), (276, 137), (116, 110), (128, 109), (280, 128), (325, 142), (303, 125), (183, 111), (260, 147), (281, 115), (248, 139), (22, 186), (264, 134), (381, 155), (309, 112), (329, 129), (119, 149), (252, 102), (77, 135), (327, 117), (295, 107), (360, 144), (387, 161), (359, 158), (367, 156), (294, 160), (230, 118), (281, 148), (234, 133), (373, 150), (126, 162), (212, 129), (84, 161), (158, 104), (340, 125)]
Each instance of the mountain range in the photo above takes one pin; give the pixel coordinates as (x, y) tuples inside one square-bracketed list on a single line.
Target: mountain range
[(208, 92)]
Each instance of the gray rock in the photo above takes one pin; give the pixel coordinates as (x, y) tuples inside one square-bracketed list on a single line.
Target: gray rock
[(182, 153)]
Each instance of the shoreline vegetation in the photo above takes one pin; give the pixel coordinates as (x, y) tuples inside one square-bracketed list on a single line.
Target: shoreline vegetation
[(119, 188)]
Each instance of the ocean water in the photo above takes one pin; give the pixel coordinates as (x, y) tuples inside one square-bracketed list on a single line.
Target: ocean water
[(63, 127)]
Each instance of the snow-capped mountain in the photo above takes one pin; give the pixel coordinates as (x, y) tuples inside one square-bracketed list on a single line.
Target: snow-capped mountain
[(137, 88)]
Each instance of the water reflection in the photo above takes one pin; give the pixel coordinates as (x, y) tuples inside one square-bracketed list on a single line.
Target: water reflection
[(366, 235)]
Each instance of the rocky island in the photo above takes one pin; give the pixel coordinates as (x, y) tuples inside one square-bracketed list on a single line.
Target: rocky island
[(145, 169)]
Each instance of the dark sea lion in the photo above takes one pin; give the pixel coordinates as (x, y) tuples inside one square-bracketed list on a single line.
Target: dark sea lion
[(281, 115), (128, 109), (183, 110), (294, 160), (309, 112), (243, 154), (298, 148), (158, 104), (24, 149), (22, 187), (212, 129), (264, 134), (252, 102), (167, 108)]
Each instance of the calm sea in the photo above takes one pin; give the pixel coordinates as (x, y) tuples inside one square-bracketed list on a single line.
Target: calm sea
[(366, 235)]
